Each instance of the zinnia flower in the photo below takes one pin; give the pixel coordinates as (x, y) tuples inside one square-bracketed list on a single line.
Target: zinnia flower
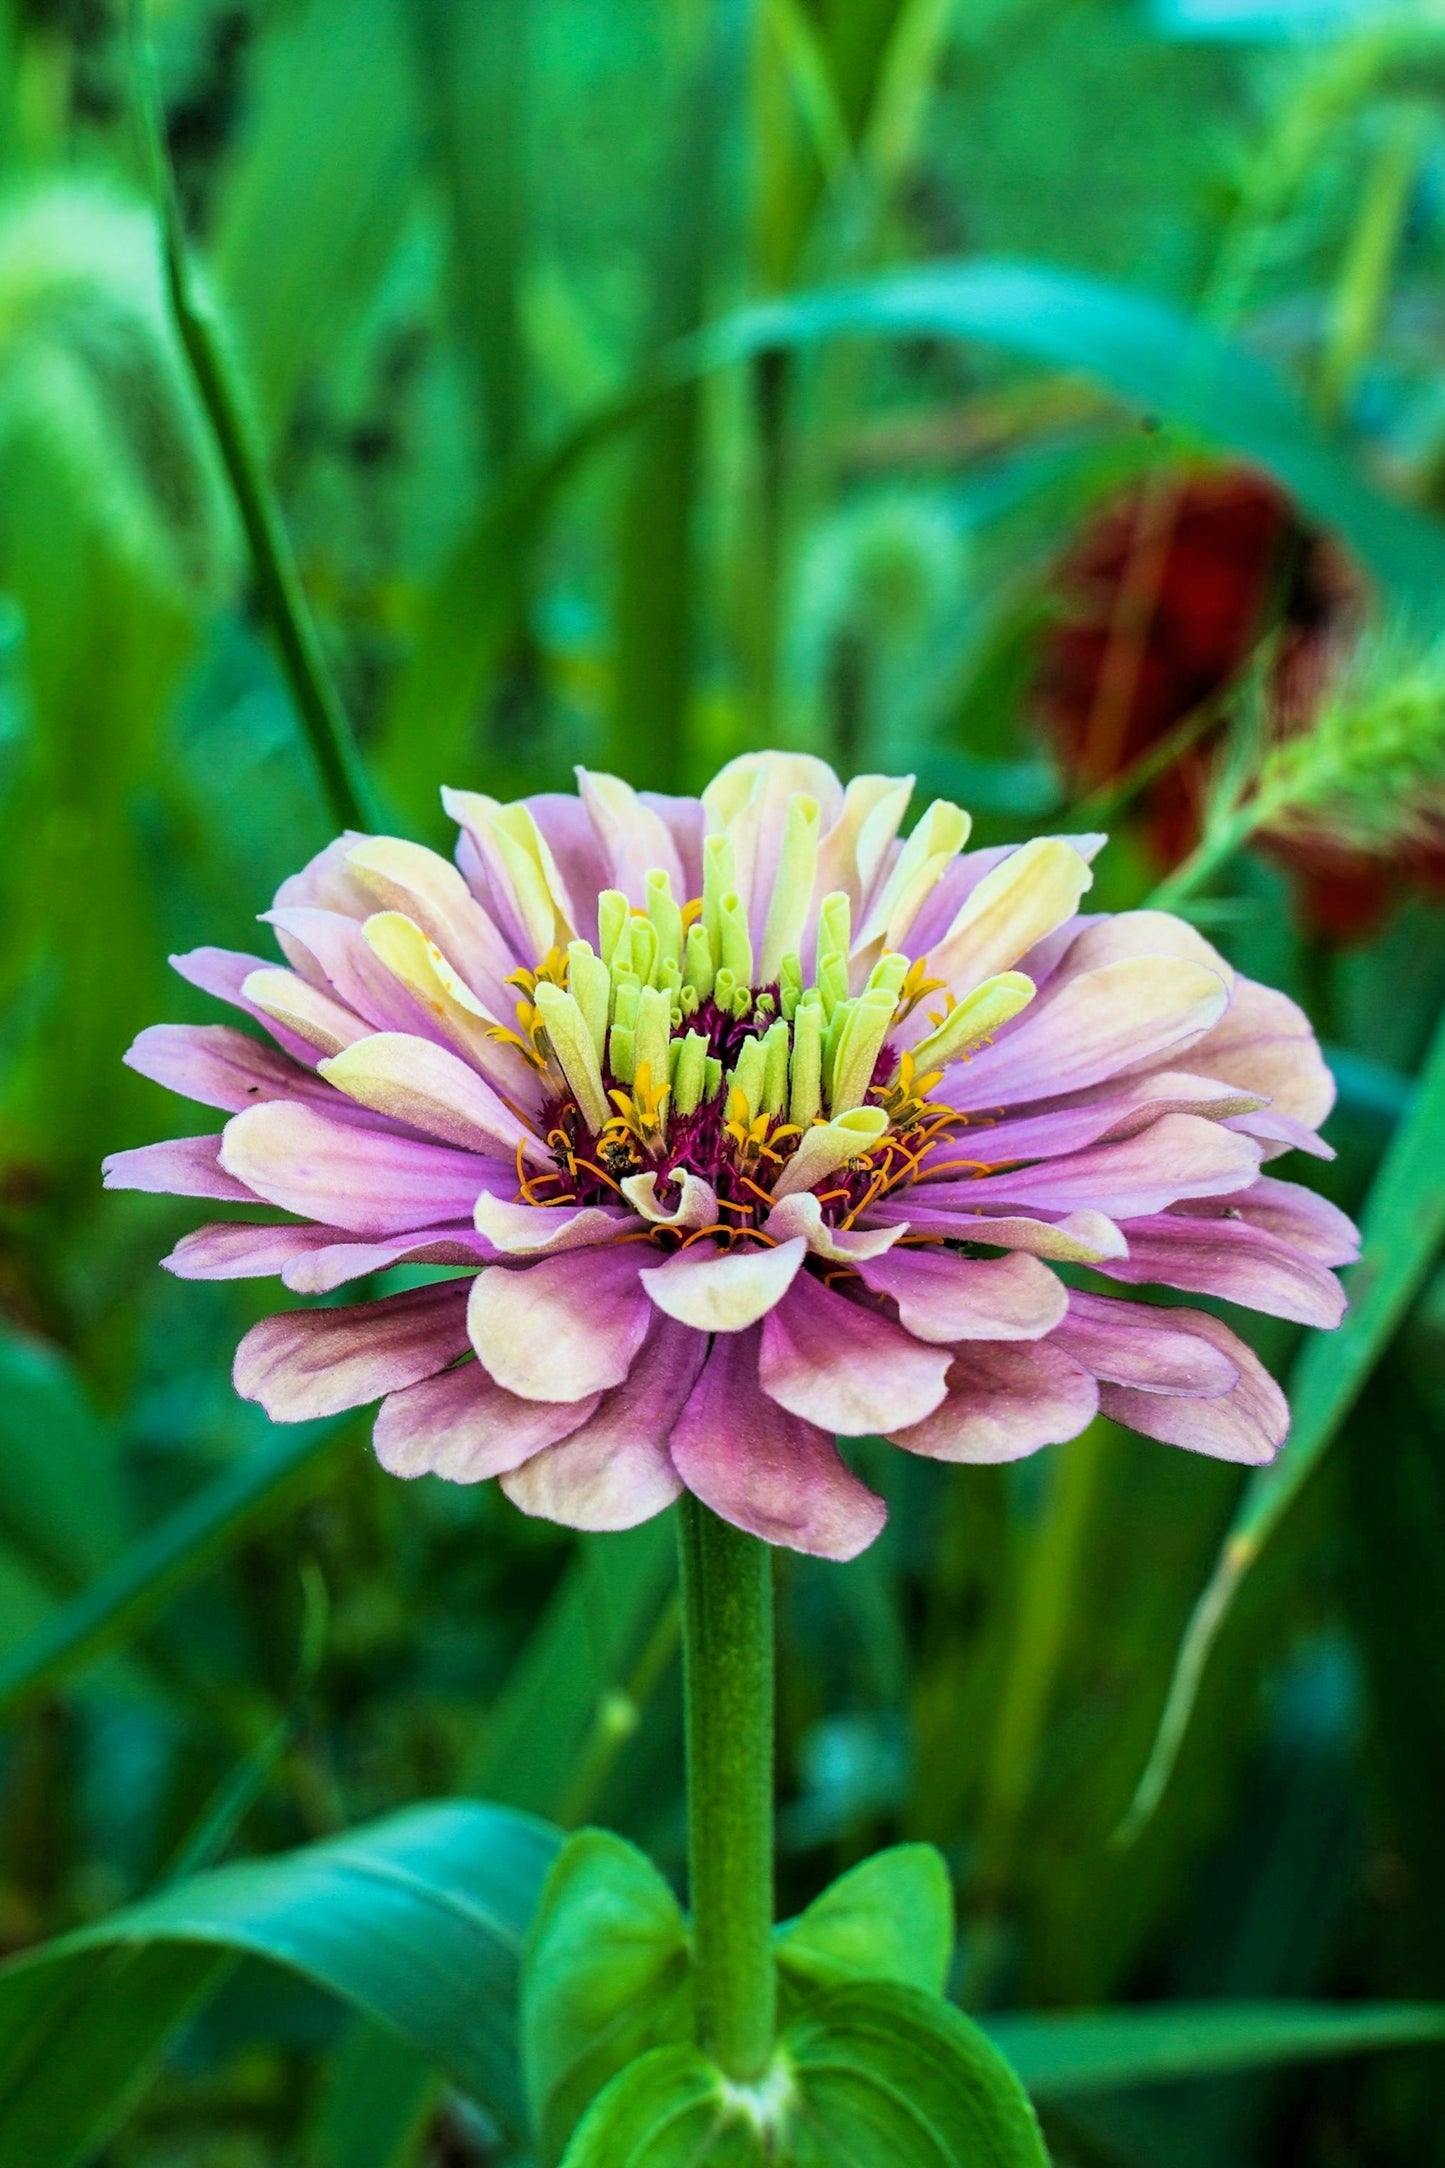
[(751, 1126)]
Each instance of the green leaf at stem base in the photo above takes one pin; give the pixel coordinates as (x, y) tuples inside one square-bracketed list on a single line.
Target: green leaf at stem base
[(874, 2074)]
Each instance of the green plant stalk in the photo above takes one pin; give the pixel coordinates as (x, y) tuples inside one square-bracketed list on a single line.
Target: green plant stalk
[(727, 1636), (278, 583)]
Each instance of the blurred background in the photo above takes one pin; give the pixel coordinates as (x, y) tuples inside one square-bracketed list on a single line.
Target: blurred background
[(1106, 489)]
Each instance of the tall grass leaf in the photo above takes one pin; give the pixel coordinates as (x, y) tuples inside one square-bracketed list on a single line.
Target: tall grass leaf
[(63, 1502), (416, 1921), (656, 599), (1060, 2054), (171, 1556), (1403, 1225), (316, 201)]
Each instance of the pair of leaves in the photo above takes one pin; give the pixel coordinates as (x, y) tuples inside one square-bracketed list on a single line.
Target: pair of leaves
[(868, 2048)]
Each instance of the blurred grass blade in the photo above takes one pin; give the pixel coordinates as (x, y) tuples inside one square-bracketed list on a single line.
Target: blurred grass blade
[(315, 206), (62, 1500), (376, 2099), (1071, 2053), (1140, 348), (1403, 1225), (656, 602), (278, 583), (174, 1554), (570, 1684), (416, 1921)]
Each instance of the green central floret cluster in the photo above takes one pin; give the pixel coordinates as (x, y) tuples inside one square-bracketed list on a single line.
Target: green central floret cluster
[(677, 1010)]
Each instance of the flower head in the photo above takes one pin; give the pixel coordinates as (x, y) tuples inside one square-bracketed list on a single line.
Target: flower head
[(752, 1125)]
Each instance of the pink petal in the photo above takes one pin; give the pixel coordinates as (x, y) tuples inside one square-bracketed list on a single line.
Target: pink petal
[(616, 1469), (686, 822), (724, 1291), (224, 972), (1132, 1343), (767, 1471), (220, 1066), (186, 1167), (633, 839), (1264, 1043), (563, 1328), (1103, 1114), (1091, 1027), (326, 882), (317, 1362), (1290, 1212), (1228, 1257), (1004, 1402), (339, 1257), (464, 1427), (846, 1366), (240, 1250), (1180, 1155), (1249, 1423), (367, 1181), (944, 1297)]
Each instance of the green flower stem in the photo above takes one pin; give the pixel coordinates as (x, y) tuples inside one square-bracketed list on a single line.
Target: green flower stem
[(727, 1632)]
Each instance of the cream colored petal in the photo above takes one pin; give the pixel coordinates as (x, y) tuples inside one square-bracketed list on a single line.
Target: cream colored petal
[(829, 1146), (424, 971), (1034, 891), (304, 1009), (716, 1291), (801, 1214), (921, 864), (529, 1230), (696, 1207), (414, 1081), (406, 877), (852, 852)]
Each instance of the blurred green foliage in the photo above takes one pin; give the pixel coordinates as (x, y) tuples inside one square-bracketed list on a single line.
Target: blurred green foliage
[(523, 307)]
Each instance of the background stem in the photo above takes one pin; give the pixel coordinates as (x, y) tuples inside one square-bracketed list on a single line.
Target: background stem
[(727, 1611)]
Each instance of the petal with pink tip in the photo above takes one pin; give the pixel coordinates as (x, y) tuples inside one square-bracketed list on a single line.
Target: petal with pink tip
[(240, 1250), (943, 1297), (1248, 1424), (223, 973), (616, 1469), (185, 1167), (846, 1366), (316, 1362), (1152, 1350), (717, 1291), (772, 1473), (563, 1328), (1290, 1212), (1226, 1256), (1005, 1401), (220, 1066), (367, 1181), (529, 1230), (333, 954), (696, 1205), (634, 839), (464, 1427), (340, 1258)]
